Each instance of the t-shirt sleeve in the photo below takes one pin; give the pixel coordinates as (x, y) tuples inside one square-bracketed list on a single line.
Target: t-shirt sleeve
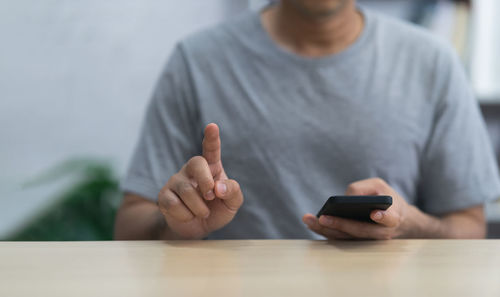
[(170, 131), (458, 169)]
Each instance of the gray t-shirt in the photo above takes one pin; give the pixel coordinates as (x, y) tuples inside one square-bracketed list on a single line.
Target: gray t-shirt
[(294, 130)]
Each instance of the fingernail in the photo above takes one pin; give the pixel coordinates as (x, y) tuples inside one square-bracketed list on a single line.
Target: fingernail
[(309, 222), (377, 215), (210, 195), (221, 188), (326, 220)]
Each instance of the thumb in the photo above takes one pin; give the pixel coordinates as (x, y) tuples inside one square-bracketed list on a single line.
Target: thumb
[(371, 186), (211, 144), (387, 218)]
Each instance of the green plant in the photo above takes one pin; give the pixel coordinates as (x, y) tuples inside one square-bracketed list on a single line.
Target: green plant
[(85, 211)]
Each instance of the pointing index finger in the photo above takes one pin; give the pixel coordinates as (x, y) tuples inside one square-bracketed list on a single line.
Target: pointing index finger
[(211, 144)]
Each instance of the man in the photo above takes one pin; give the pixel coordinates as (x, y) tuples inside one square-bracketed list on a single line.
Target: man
[(313, 98)]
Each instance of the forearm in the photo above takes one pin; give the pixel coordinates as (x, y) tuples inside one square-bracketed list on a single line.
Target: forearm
[(465, 224), (138, 219)]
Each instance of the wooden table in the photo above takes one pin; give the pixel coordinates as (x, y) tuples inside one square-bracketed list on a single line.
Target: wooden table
[(251, 268)]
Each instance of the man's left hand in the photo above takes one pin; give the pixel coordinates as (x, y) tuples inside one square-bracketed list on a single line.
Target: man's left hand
[(389, 223)]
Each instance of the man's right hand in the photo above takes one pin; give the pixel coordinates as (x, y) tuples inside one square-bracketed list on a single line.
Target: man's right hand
[(200, 198)]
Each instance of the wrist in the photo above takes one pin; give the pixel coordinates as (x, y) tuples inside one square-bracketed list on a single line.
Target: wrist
[(421, 225), (412, 223)]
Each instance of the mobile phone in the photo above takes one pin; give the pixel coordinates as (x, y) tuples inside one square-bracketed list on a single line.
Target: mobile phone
[(354, 207)]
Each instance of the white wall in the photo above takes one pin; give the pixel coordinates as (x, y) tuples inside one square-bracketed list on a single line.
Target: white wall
[(74, 80), (486, 58)]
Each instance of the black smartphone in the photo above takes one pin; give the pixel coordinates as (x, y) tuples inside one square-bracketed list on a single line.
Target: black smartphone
[(354, 207)]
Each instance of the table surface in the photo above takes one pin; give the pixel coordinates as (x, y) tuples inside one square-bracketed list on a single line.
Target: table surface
[(251, 268)]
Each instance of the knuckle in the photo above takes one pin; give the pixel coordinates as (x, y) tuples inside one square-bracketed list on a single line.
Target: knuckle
[(195, 160), (204, 213), (353, 187), (206, 184), (162, 194), (169, 202), (172, 202), (194, 164), (183, 188), (201, 212), (174, 179), (176, 211), (165, 199), (379, 182)]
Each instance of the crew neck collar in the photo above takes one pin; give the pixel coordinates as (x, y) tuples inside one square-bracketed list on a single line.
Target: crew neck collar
[(283, 53)]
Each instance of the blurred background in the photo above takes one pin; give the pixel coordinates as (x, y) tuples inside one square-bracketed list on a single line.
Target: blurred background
[(75, 78)]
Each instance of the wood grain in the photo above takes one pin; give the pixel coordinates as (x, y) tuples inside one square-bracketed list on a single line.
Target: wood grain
[(251, 268)]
